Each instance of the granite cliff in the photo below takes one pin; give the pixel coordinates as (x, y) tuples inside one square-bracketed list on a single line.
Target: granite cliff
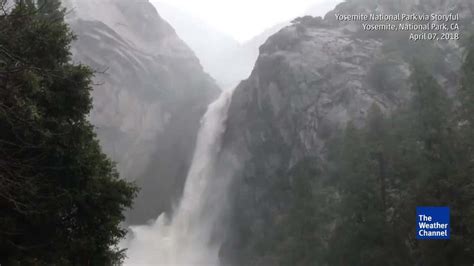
[(310, 79), (150, 94)]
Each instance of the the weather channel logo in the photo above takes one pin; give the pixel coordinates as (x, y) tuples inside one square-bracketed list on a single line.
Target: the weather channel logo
[(432, 223)]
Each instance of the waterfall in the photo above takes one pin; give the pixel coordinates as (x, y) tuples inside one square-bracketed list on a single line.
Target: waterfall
[(186, 239)]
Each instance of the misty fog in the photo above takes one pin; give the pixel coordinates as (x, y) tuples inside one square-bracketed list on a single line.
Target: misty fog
[(227, 58), (236, 133)]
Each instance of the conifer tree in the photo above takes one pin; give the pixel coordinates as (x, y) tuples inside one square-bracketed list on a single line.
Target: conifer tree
[(430, 135), (61, 200), (466, 91), (462, 183)]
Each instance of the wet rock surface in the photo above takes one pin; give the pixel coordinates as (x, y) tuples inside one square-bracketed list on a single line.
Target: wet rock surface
[(149, 96), (310, 79)]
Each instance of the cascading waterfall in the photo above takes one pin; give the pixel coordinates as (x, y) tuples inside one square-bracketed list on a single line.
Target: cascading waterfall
[(187, 238)]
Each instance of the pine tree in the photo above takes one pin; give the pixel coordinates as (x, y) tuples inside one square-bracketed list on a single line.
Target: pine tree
[(61, 199), (365, 234), (433, 166), (466, 91), (307, 223), (462, 211)]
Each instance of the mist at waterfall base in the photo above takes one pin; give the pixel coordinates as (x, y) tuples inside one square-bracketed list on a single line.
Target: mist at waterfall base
[(188, 237)]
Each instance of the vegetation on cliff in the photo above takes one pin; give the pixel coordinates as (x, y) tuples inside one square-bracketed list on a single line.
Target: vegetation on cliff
[(358, 208)]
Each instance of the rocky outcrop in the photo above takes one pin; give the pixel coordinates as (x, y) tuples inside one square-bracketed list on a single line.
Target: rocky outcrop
[(218, 53), (149, 96), (310, 79), (226, 60)]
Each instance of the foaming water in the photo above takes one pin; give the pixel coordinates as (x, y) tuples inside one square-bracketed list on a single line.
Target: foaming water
[(187, 238)]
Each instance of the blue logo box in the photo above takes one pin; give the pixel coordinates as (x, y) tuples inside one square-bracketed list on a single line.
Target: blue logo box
[(432, 223)]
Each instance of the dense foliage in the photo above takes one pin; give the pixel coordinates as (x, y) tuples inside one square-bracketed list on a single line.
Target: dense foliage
[(359, 206), (61, 200), (391, 166)]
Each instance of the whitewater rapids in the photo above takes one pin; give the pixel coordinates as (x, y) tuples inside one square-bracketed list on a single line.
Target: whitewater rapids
[(188, 237)]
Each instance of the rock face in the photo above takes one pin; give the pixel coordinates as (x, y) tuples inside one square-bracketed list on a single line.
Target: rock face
[(310, 79), (219, 54), (226, 60), (149, 96)]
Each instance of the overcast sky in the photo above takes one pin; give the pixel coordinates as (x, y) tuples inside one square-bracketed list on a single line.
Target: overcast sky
[(243, 19)]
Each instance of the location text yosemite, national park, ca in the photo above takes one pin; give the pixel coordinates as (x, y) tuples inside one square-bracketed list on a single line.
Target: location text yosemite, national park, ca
[(439, 27), (398, 17)]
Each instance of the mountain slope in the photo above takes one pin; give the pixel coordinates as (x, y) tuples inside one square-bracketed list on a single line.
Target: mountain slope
[(224, 58), (227, 60), (212, 47), (150, 95), (310, 79)]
